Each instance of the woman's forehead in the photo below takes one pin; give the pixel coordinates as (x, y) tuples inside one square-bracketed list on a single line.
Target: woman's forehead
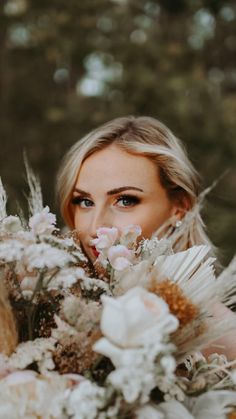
[(114, 166), (113, 156)]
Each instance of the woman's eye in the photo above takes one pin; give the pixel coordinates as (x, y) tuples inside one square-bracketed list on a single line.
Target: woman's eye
[(82, 202), (127, 201)]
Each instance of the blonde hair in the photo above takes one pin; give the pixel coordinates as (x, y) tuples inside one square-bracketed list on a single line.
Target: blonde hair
[(8, 332), (144, 136)]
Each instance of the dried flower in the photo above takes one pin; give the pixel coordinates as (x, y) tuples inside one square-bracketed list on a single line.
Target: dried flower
[(179, 305), (10, 224), (42, 256), (129, 235), (42, 222)]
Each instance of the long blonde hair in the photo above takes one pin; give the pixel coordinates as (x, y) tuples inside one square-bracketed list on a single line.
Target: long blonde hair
[(8, 332), (148, 137)]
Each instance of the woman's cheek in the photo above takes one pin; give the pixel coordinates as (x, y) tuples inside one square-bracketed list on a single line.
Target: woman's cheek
[(79, 221)]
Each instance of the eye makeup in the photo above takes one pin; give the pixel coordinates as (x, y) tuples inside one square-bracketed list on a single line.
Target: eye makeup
[(128, 200), (78, 200)]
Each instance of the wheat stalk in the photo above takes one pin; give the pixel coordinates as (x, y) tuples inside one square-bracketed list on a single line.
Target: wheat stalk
[(35, 199), (3, 201)]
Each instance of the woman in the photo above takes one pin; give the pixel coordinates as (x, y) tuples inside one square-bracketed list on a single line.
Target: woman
[(125, 142), (132, 170)]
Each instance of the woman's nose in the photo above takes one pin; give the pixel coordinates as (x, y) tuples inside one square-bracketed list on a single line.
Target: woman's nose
[(101, 218)]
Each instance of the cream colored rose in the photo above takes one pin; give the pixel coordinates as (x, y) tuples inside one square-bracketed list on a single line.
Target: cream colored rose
[(136, 318)]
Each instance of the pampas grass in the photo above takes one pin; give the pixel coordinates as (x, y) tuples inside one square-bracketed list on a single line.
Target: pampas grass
[(35, 199), (3, 201)]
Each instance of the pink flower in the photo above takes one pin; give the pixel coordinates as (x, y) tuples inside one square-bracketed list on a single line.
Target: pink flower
[(106, 237), (120, 257)]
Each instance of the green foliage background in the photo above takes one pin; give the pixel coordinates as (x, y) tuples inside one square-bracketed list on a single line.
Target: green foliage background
[(68, 66)]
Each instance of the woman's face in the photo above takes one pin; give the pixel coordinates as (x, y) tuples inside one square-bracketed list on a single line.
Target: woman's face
[(114, 189)]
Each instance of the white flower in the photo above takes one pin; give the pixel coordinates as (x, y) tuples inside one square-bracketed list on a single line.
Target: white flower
[(27, 294), (138, 317), (214, 404), (20, 377), (149, 412), (133, 383), (136, 327), (176, 410), (153, 248), (209, 405), (85, 400), (66, 278), (11, 224), (5, 368), (28, 283), (137, 372), (136, 275), (26, 395), (233, 376), (129, 234), (11, 250), (43, 222), (42, 255), (106, 237), (168, 364), (40, 350), (94, 284), (120, 257)]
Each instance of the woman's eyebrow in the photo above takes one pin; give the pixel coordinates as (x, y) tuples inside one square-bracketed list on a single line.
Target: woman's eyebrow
[(122, 189), (112, 191), (81, 192)]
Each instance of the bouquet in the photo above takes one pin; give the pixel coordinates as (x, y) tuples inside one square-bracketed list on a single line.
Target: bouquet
[(118, 339)]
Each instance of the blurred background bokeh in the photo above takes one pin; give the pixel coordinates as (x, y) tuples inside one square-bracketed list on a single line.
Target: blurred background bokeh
[(67, 66)]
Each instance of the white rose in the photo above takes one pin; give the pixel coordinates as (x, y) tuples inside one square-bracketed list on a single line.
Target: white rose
[(136, 318)]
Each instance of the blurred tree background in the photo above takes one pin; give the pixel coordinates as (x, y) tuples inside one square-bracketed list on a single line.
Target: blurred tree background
[(68, 66)]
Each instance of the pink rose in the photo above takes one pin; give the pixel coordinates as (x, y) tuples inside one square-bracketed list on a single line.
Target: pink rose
[(106, 237), (120, 257)]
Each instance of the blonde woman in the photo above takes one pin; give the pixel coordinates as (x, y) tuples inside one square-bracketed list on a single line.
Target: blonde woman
[(132, 170)]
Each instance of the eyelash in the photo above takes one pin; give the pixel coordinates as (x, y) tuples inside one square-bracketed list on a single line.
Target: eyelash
[(77, 200), (133, 200)]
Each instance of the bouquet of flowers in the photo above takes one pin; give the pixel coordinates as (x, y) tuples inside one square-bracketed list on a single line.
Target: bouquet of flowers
[(117, 339)]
